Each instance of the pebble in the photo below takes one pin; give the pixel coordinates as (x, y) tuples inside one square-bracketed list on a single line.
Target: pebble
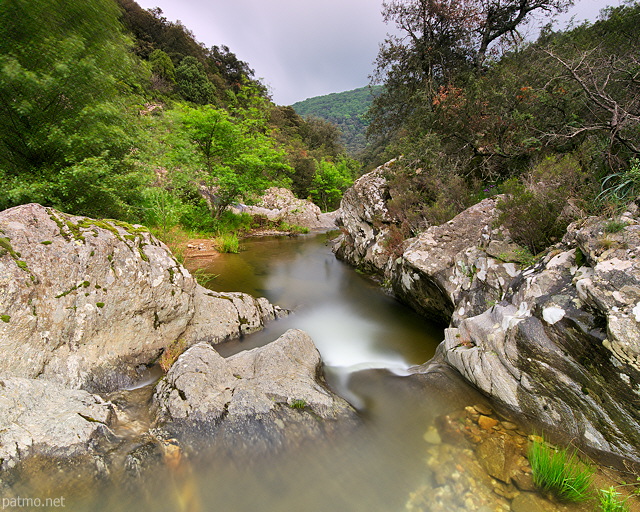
[(483, 409), (487, 423)]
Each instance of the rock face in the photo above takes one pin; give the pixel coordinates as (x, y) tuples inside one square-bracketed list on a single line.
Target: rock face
[(83, 302), (44, 418), (456, 269), (562, 347), (280, 205), (557, 343), (262, 397), (365, 220)]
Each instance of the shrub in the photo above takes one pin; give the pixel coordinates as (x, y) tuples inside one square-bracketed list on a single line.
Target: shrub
[(609, 501), (559, 473), (540, 205)]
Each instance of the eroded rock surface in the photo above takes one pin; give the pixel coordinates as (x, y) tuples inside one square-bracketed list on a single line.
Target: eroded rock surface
[(558, 343), (83, 302), (262, 397), (38, 417), (366, 221)]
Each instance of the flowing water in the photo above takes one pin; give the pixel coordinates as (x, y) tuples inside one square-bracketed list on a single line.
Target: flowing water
[(367, 340)]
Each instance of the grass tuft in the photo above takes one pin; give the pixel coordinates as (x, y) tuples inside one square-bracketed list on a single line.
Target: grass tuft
[(559, 473), (228, 242)]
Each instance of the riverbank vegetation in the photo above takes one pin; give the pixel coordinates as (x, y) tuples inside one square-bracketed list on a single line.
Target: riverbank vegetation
[(110, 110), (476, 110)]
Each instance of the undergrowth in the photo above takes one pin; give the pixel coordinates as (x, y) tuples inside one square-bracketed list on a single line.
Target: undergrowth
[(559, 472)]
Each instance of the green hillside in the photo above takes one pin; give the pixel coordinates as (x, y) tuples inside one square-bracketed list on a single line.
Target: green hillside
[(345, 109)]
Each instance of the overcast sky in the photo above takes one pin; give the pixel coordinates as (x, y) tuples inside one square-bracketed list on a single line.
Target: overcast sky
[(301, 48)]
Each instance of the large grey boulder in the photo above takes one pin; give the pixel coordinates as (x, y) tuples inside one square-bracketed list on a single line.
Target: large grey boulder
[(84, 302), (44, 418), (281, 205), (365, 220), (263, 397), (561, 350), (456, 269)]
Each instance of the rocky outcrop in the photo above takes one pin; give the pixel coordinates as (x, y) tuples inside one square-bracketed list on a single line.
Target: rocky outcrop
[(280, 205), (562, 348), (85, 302), (455, 270), (557, 343), (44, 418), (259, 398), (365, 221)]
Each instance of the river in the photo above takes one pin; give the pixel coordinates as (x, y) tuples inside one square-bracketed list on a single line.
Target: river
[(367, 340)]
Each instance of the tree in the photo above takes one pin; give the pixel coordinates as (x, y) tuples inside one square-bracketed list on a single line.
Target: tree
[(329, 183), (496, 19), (162, 66), (193, 83), (65, 72), (440, 41), (235, 159)]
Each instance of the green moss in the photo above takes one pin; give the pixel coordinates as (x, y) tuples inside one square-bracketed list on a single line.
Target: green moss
[(142, 254), (46, 242), (85, 283), (100, 304), (5, 244), (75, 230), (5, 318), (22, 264)]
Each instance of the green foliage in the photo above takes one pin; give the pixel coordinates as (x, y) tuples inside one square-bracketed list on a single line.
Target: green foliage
[(298, 403), (5, 318), (614, 226), (610, 501), (162, 68), (65, 72), (537, 209), (236, 159), (228, 243), (161, 209), (193, 83), (622, 187), (559, 473), (329, 183)]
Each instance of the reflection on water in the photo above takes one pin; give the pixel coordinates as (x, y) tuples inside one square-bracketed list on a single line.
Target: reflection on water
[(352, 322)]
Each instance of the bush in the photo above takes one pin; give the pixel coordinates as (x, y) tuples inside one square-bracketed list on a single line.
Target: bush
[(561, 474), (540, 205), (609, 501)]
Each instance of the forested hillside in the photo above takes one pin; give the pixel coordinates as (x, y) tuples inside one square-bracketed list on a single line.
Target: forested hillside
[(348, 110), (474, 110), (111, 110)]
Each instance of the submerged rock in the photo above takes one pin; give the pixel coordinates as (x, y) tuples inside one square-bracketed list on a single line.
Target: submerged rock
[(85, 302), (263, 398)]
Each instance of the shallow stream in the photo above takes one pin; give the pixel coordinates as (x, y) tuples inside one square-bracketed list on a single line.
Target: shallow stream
[(367, 340)]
